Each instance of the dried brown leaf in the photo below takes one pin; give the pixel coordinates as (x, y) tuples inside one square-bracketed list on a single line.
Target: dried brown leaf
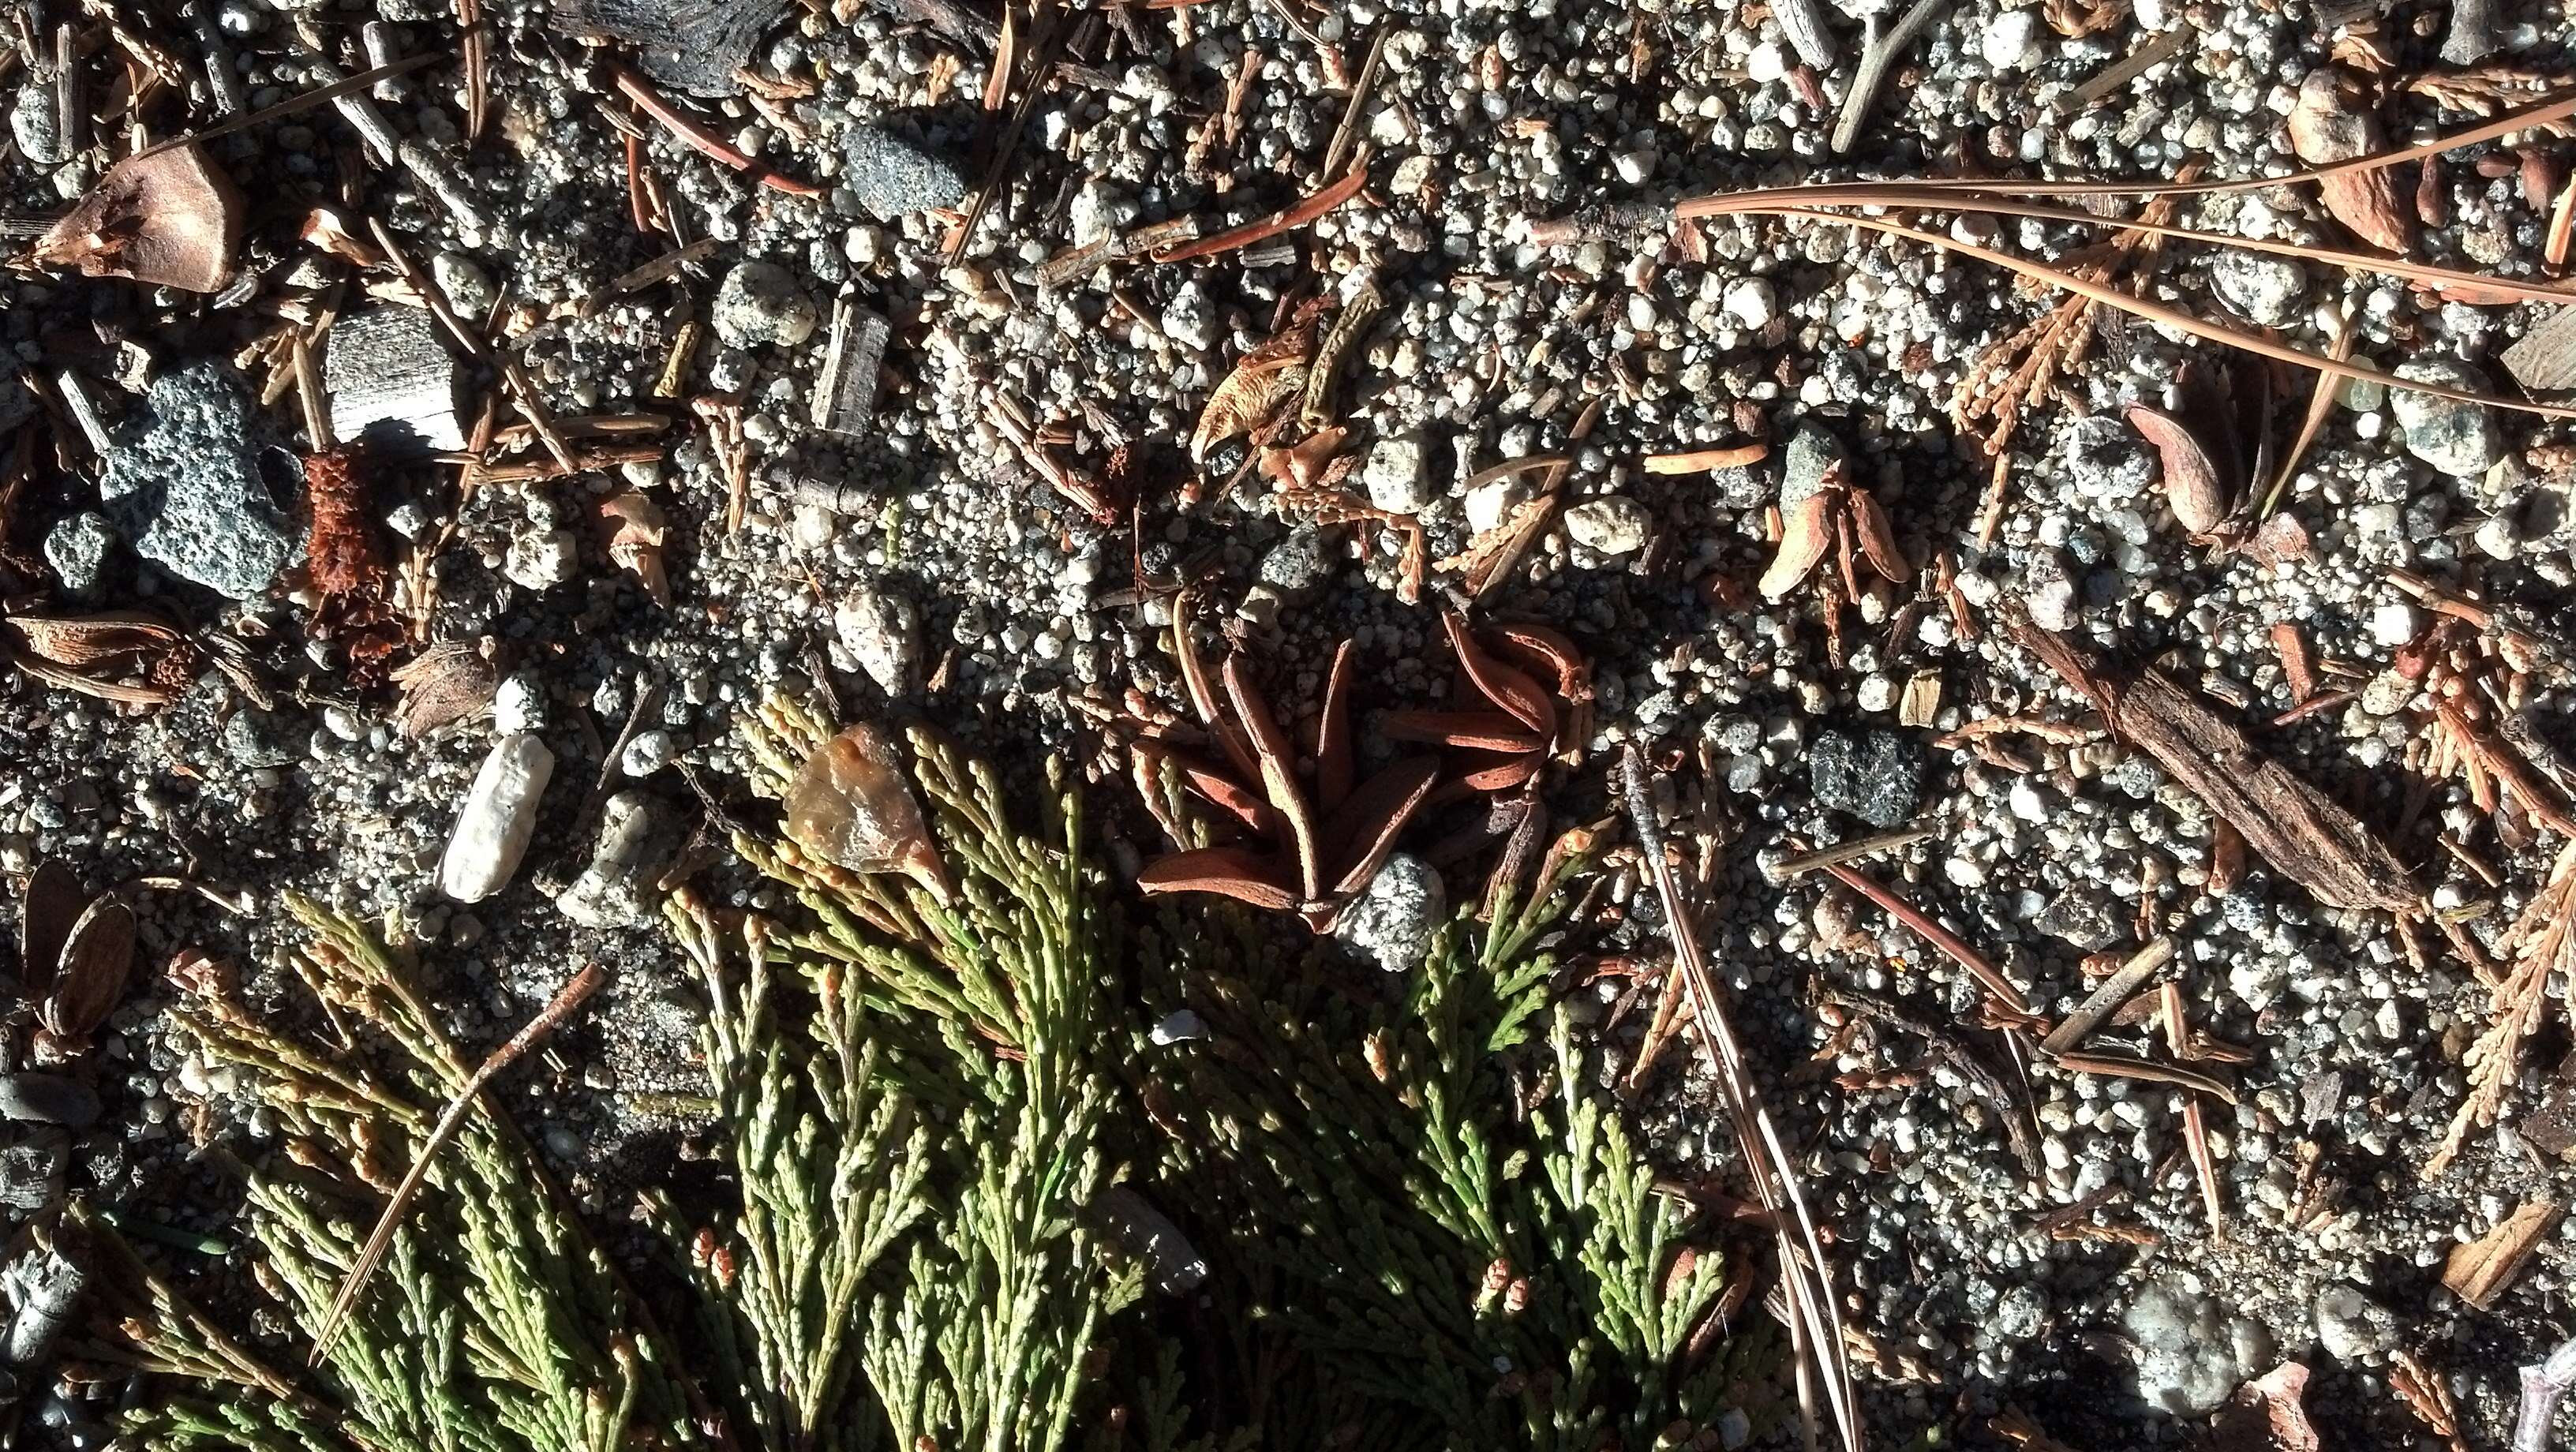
[(1506, 686), (1803, 542), (166, 217), (96, 959), (76, 641), (1233, 872), (2266, 1415), (1278, 769), (442, 684), (1493, 552), (1878, 538), (2194, 485), (1464, 730), (1333, 734), (324, 228), (2325, 128), (2482, 1269), (1262, 383), (1356, 839), (635, 532)]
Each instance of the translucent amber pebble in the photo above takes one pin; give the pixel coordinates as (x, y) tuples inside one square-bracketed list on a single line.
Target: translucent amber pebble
[(849, 804)]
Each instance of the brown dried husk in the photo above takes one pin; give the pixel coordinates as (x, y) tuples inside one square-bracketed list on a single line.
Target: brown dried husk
[(636, 530), (444, 683), (849, 805), (84, 640), (1803, 542), (2324, 129), (2193, 483), (167, 217), (95, 964)]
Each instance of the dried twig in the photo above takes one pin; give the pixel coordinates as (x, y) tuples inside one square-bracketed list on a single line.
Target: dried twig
[(1875, 62), (2542, 1387), (1815, 1314), (1938, 936), (652, 103), (567, 999), (1285, 220)]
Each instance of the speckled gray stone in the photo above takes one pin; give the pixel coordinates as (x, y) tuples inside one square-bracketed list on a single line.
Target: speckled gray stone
[(892, 177), (194, 482)]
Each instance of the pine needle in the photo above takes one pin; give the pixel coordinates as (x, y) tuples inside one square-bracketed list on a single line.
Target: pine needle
[(569, 998), (1815, 1319)]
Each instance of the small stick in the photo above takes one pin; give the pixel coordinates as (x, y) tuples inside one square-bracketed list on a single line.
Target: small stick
[(2195, 1128), (1044, 29), (1288, 220), (2108, 999), (1875, 62), (652, 103), (2542, 1386), (1851, 851), (1815, 1313), (2320, 406), (2125, 1066), (2316, 706), (2142, 60), (308, 392), (1699, 461), (1937, 935), (583, 985), (478, 84), (1349, 130), (1506, 469)]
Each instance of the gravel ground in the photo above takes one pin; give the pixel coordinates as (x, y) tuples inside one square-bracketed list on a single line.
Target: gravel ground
[(923, 566)]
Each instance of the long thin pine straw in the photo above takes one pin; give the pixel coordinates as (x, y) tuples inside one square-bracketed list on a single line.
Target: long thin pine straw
[(1806, 1277), (2173, 318), (2320, 407), (1938, 936), (1288, 219), (1918, 195), (2540, 114), (570, 997), (307, 101)]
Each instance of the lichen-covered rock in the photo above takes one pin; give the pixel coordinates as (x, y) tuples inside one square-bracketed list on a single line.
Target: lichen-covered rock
[(194, 482)]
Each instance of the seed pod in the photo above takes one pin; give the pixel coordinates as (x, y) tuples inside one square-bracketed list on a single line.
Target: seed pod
[(95, 963), (2192, 483), (1809, 533), (849, 804), (1878, 538), (167, 217), (54, 901)]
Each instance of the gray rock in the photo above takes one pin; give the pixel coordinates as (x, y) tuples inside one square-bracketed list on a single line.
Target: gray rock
[(1811, 453), (648, 752), (44, 1288), (255, 738), (761, 303), (1189, 319), (1298, 563), (2268, 290), (2352, 1327), (2459, 439), (31, 1169), (1394, 917), (1613, 524), (880, 631), (2085, 918), (893, 177), (1876, 776), (1398, 475), (77, 549), (622, 886), (189, 483), (36, 124), (2192, 1352), (48, 1099)]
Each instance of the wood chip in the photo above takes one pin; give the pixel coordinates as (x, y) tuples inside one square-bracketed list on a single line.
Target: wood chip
[(2545, 359), (2481, 1270), (2301, 831)]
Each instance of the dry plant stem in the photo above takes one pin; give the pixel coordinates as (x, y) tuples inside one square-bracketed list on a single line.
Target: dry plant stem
[(1913, 195), (1938, 936), (320, 96), (478, 84), (1349, 130), (2108, 999), (2321, 405), (569, 998), (652, 104), (2149, 311), (2542, 1387), (1697, 461), (1875, 63), (2195, 1125), (1044, 29), (1815, 1312), (1287, 220), (1852, 851)]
